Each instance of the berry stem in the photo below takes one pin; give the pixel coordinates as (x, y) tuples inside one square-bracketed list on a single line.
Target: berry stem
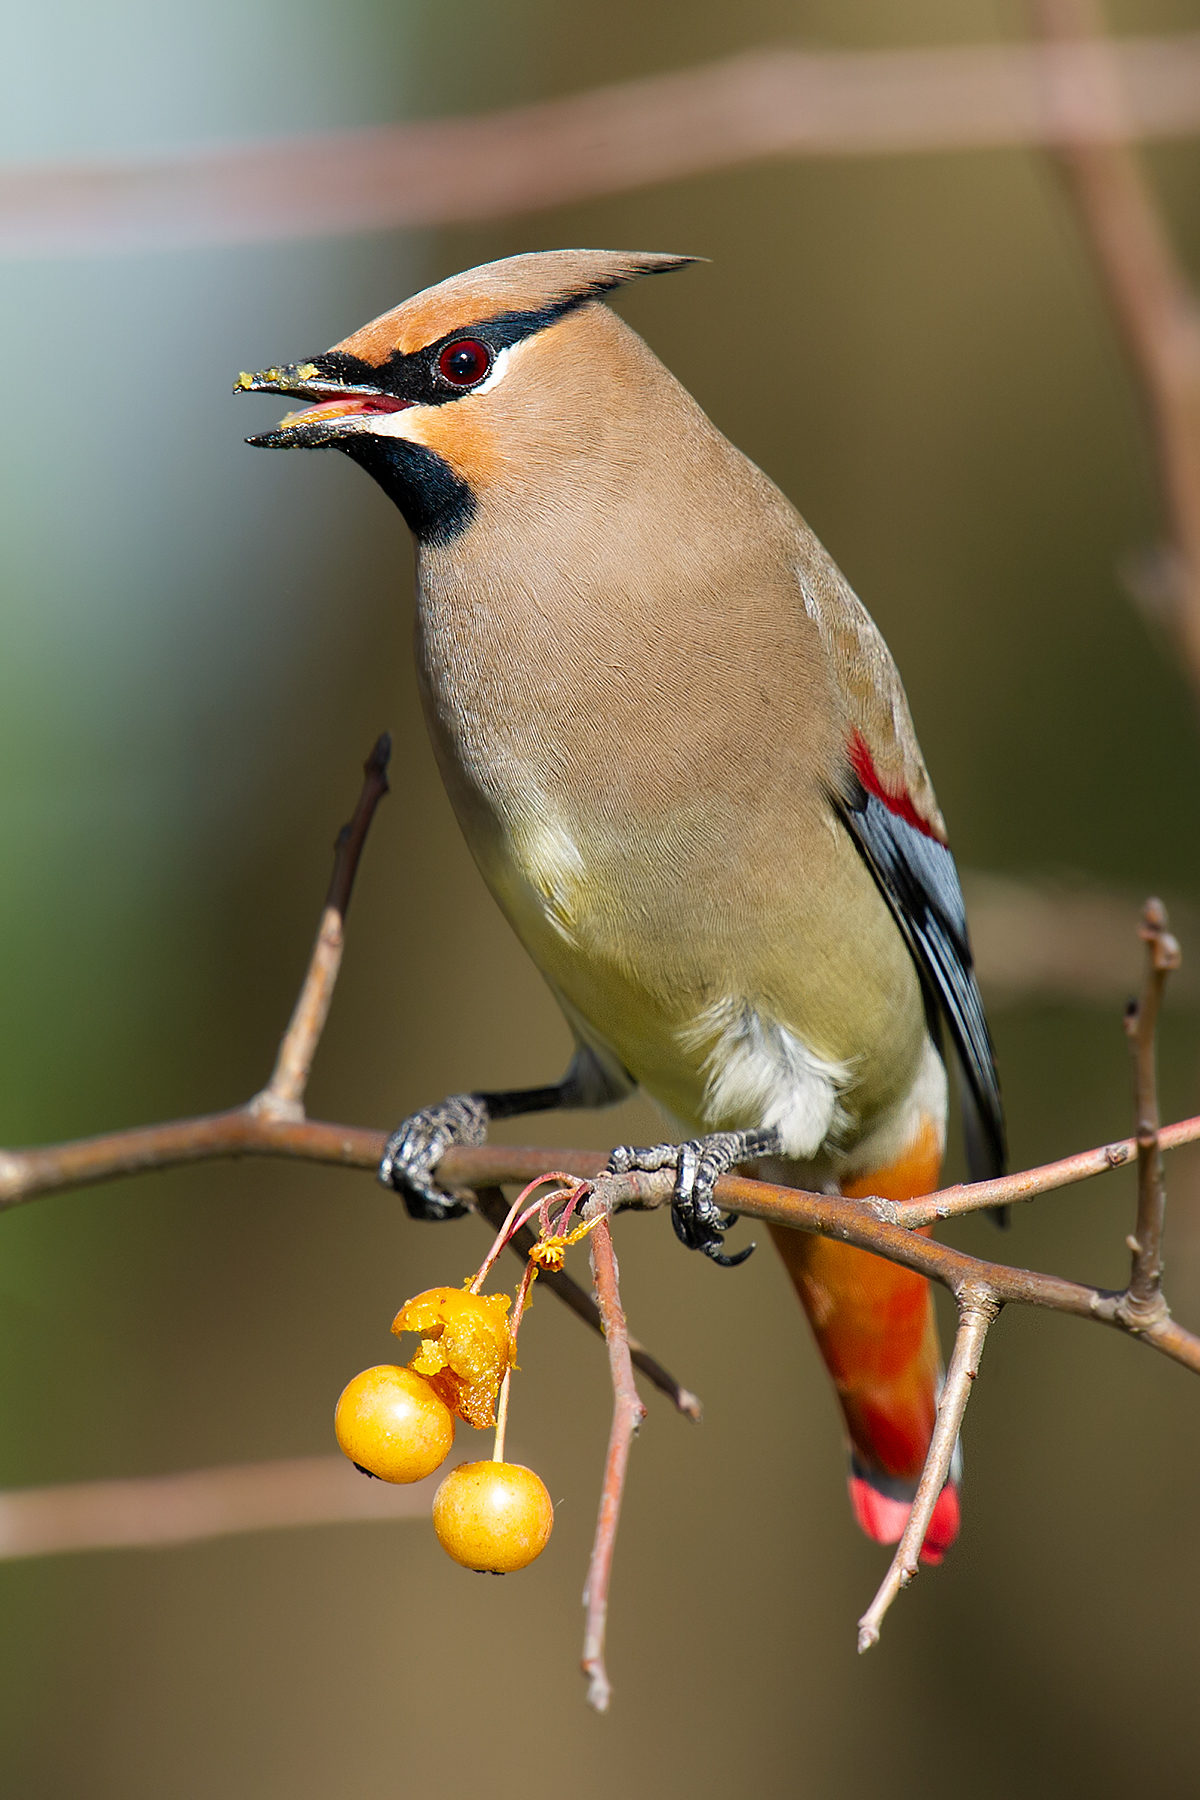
[(514, 1325), (516, 1218), (502, 1418)]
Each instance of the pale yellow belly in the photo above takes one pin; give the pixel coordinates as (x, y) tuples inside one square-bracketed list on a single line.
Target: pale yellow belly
[(652, 959)]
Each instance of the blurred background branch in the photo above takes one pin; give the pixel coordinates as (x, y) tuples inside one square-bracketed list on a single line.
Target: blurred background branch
[(1057, 939), (759, 105), (153, 1510), (1151, 299)]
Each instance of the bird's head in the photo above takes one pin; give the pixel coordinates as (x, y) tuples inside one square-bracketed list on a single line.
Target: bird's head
[(435, 397)]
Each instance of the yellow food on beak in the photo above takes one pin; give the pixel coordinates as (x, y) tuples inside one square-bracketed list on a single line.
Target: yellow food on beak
[(249, 384)]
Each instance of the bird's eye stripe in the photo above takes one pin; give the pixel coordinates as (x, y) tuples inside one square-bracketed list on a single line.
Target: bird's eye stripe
[(464, 363)]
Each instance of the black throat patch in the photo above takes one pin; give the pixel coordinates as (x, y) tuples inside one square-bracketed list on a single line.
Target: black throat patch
[(437, 505)]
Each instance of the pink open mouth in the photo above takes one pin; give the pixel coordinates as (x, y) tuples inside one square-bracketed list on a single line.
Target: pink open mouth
[(342, 407)]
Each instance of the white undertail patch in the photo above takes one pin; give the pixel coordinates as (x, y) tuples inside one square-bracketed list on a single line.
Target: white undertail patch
[(759, 1075)]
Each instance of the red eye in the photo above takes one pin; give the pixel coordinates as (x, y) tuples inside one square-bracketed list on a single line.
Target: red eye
[(464, 363)]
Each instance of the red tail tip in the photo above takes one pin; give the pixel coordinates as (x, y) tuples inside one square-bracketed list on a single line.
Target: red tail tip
[(884, 1518)]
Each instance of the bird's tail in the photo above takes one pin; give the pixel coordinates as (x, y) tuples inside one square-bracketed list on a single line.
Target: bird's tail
[(875, 1328)]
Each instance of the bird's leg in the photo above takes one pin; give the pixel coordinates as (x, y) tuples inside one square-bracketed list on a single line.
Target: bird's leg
[(699, 1164), (412, 1153), (415, 1148)]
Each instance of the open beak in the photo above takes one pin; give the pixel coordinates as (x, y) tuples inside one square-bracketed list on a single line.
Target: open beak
[(335, 407)]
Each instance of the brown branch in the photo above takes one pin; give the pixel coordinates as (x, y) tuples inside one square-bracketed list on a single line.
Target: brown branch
[(758, 105), (876, 1225), (83, 1162), (1155, 310), (283, 1096), (628, 1413), (1144, 1300), (202, 1503), (54, 1168), (976, 1314), (859, 1222)]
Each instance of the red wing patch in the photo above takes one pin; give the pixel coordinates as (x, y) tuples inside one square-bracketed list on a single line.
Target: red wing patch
[(863, 765)]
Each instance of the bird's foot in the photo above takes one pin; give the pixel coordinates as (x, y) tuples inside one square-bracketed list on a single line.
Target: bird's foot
[(699, 1164), (415, 1148)]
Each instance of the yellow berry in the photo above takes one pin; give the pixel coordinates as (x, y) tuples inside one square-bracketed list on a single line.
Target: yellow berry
[(392, 1424), (494, 1516)]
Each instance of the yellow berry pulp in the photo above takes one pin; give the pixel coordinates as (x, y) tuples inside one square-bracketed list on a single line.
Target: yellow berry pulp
[(464, 1350), (493, 1516), (392, 1424)]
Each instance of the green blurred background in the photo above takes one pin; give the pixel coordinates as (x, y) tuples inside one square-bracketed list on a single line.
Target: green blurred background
[(199, 645)]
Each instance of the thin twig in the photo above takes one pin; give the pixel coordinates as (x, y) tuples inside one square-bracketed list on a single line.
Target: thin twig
[(283, 1096), (492, 1205), (758, 105), (1026, 1184), (1155, 309), (976, 1314), (153, 1510), (628, 1413), (1143, 1300)]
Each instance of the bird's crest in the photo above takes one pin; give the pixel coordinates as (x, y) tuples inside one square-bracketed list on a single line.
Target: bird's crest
[(538, 287)]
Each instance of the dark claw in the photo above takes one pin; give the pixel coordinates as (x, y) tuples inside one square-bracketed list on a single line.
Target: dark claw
[(415, 1148), (698, 1220)]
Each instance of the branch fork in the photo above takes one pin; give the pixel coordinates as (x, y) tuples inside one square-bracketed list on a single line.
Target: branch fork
[(1142, 1304), (1140, 1309), (978, 1309), (283, 1097)]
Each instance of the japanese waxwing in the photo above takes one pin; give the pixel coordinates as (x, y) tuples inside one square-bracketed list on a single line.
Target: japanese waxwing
[(683, 759)]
